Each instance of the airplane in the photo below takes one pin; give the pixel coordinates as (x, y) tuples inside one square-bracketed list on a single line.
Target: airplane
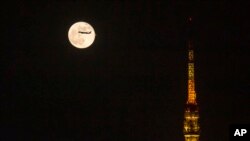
[(84, 32)]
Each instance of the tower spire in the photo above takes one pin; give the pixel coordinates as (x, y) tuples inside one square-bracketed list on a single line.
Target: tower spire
[(191, 115), (191, 83)]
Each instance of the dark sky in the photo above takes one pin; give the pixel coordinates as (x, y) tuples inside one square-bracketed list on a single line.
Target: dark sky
[(131, 84)]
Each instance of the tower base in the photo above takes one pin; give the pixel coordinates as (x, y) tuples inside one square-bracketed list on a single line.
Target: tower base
[(191, 137)]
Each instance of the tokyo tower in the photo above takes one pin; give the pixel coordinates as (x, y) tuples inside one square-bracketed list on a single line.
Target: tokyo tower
[(191, 115)]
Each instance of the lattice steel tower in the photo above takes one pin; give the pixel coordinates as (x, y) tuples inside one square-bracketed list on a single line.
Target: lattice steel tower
[(191, 115)]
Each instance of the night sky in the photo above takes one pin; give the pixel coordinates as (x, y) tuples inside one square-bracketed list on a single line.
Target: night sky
[(131, 84)]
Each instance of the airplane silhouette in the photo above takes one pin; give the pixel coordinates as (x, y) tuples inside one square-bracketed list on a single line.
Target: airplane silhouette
[(84, 32)]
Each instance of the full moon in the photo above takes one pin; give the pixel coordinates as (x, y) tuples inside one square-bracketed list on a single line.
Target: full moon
[(81, 34)]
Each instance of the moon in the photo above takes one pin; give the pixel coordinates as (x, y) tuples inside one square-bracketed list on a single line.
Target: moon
[(81, 34)]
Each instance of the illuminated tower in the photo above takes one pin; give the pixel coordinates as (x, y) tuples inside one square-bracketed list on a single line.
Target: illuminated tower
[(191, 115)]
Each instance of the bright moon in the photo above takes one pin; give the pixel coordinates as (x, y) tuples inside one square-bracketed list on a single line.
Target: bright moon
[(81, 34)]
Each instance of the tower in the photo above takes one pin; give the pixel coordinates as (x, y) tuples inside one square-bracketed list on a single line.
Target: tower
[(191, 115)]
